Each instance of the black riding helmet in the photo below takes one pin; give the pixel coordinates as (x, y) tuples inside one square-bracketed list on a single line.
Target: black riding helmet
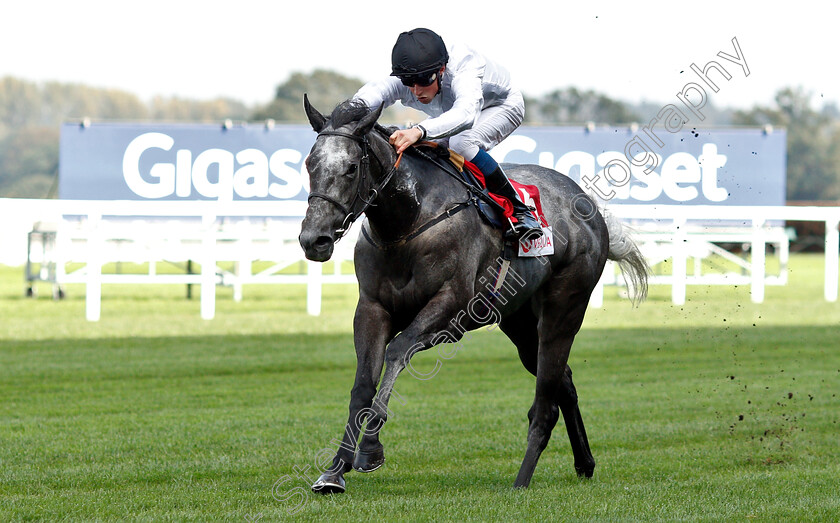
[(418, 52)]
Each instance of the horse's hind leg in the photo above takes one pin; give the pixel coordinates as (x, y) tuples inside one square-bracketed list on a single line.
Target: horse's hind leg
[(568, 402), (562, 307), (542, 416), (521, 328)]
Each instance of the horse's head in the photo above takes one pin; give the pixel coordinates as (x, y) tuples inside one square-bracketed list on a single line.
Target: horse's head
[(339, 175)]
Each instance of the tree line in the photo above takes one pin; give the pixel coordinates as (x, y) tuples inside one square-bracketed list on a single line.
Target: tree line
[(31, 115)]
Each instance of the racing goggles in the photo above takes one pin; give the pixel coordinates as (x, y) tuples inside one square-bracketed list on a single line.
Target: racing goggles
[(423, 79)]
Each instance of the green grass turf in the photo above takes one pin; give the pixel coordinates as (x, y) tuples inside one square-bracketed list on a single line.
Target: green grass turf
[(719, 409)]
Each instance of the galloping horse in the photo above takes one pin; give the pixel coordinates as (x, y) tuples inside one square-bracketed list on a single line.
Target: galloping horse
[(422, 267)]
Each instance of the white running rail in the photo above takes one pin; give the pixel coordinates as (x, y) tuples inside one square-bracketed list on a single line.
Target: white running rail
[(96, 232)]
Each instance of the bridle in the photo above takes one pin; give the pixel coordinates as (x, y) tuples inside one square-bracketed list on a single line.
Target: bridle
[(360, 203)]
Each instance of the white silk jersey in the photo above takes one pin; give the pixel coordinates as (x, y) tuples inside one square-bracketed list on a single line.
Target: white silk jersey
[(470, 84)]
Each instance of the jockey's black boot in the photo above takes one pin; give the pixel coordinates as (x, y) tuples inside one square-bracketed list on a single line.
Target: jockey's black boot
[(527, 225)]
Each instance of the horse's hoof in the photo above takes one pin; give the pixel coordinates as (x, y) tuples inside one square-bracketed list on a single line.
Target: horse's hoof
[(368, 461), (329, 484), (585, 472)]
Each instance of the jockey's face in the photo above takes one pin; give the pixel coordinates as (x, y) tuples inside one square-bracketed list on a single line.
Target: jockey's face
[(426, 94)]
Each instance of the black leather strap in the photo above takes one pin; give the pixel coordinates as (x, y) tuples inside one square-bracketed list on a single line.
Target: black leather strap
[(448, 213)]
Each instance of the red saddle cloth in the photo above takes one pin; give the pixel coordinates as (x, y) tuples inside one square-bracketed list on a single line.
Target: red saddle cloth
[(528, 193)]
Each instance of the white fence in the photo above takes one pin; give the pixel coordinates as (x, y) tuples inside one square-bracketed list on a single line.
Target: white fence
[(96, 232), (683, 232), (93, 233)]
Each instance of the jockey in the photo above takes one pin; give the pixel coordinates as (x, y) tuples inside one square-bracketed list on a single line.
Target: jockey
[(470, 100)]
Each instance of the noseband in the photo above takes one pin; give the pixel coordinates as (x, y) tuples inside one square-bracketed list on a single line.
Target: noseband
[(360, 203)]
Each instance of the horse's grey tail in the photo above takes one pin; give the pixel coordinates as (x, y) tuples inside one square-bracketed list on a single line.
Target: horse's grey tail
[(633, 265)]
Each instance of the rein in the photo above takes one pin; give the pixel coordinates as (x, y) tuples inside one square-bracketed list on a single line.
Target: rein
[(353, 213)]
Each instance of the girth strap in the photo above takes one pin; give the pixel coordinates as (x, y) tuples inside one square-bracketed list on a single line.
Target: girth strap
[(448, 213)]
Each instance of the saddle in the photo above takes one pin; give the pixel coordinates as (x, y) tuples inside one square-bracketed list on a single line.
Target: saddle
[(494, 209)]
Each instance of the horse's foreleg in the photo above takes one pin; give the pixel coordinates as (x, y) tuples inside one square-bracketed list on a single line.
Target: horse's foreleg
[(427, 330), (372, 330)]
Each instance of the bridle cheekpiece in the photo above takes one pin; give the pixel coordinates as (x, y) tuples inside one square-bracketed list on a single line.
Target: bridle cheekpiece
[(360, 203)]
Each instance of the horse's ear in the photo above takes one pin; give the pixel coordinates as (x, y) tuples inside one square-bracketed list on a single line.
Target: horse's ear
[(366, 123), (316, 119)]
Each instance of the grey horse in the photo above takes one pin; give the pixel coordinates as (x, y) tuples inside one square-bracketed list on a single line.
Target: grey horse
[(426, 261)]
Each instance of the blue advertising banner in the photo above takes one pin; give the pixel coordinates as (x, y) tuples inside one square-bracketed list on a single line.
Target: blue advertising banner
[(184, 162), (697, 167), (255, 162)]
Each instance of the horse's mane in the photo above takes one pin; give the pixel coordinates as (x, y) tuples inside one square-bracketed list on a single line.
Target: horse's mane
[(348, 111), (353, 110)]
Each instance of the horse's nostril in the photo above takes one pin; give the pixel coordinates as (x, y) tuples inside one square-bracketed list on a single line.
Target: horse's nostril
[(323, 241)]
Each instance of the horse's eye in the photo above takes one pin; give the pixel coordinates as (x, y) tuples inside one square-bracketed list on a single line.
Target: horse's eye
[(351, 169)]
